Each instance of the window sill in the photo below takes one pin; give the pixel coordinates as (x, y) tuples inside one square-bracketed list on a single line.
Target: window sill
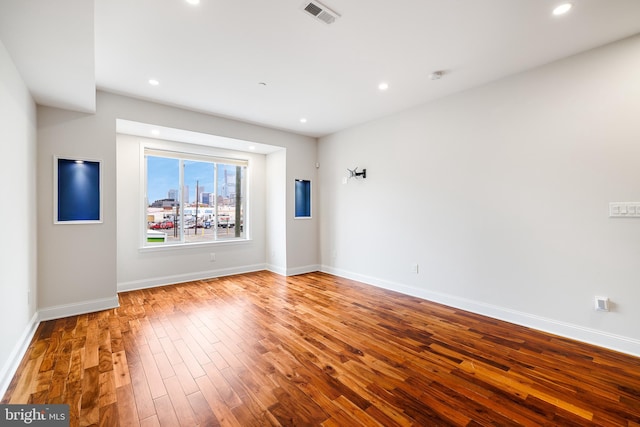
[(191, 246)]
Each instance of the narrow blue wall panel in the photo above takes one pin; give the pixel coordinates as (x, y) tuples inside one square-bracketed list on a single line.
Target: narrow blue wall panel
[(303, 198)]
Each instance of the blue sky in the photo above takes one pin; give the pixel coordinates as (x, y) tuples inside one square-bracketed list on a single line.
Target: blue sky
[(163, 176)]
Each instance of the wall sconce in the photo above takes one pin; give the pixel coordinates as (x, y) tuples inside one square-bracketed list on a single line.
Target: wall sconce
[(355, 174)]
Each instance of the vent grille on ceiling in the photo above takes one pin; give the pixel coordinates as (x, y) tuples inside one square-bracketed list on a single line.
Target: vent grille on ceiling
[(320, 12)]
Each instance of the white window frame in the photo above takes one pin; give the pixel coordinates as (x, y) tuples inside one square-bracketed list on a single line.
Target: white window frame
[(193, 153)]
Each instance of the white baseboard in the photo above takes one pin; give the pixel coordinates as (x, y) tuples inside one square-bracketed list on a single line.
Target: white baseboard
[(302, 270), (576, 332), (615, 342), (188, 277), (276, 269), (66, 310), (9, 369), (283, 271)]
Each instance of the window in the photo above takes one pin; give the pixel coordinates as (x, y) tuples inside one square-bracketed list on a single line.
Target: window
[(193, 198), (303, 198)]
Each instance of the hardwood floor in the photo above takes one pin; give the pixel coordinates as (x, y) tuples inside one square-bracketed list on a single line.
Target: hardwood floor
[(261, 349)]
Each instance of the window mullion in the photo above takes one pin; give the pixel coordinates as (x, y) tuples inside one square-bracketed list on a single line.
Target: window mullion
[(215, 201), (181, 207)]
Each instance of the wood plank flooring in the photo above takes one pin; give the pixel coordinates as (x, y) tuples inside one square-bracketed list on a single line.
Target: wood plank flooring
[(265, 350)]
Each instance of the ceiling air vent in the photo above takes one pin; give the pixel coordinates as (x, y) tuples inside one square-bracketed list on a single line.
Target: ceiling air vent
[(320, 12)]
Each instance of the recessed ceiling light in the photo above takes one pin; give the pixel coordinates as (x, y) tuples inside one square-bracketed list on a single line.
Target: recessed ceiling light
[(562, 9), (383, 86), (154, 82), (303, 120), (193, 2)]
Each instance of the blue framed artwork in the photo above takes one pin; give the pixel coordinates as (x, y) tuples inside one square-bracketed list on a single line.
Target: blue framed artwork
[(77, 191), (303, 198)]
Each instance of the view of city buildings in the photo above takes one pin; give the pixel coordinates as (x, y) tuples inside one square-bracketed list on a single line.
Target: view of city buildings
[(204, 215)]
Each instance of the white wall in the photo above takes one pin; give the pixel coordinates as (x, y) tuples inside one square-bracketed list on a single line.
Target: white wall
[(78, 264), (18, 274), (276, 212), (158, 266), (500, 195), (292, 244), (302, 235)]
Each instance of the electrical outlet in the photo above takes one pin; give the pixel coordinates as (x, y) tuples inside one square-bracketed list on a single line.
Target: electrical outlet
[(212, 257), (602, 303)]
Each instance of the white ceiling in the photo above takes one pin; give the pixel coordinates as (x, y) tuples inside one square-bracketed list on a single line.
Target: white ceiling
[(213, 56), (52, 44), (147, 130)]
